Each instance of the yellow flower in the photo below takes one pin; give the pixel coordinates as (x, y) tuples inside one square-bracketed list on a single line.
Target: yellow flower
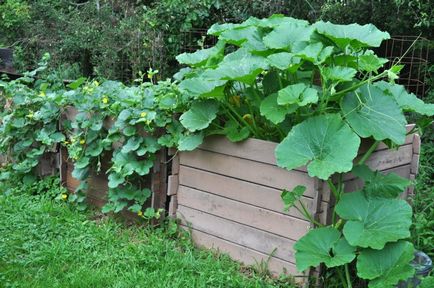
[(235, 100), (95, 83), (248, 118), (42, 94), (143, 114), (105, 100), (140, 213), (30, 115), (64, 196), (66, 142), (82, 141), (148, 122)]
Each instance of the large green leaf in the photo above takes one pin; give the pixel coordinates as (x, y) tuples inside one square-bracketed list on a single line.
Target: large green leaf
[(202, 87), (369, 62), (200, 57), (339, 73), (388, 266), (274, 112), (239, 66), (355, 35), (132, 144), (370, 112), (285, 35), (326, 142), (407, 101), (372, 222), (234, 132), (200, 115), (299, 94), (190, 142), (284, 61), (249, 38), (323, 245), (380, 185)]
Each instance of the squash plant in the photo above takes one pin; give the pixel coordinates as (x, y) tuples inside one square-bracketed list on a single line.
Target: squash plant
[(29, 118), (318, 90), (124, 124)]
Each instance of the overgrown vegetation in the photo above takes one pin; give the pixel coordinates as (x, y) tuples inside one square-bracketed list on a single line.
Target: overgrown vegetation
[(118, 39), (47, 243)]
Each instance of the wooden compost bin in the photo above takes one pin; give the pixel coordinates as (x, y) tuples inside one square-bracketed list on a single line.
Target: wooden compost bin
[(98, 183), (228, 196)]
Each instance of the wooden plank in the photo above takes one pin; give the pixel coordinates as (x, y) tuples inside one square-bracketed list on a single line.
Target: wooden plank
[(416, 144), (259, 218), (247, 170), (415, 164), (245, 255), (173, 206), (172, 185), (235, 189), (263, 151), (243, 235), (175, 164), (387, 159)]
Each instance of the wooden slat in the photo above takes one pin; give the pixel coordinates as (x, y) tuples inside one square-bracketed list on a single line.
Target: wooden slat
[(387, 159), (235, 189), (173, 205), (263, 219), (255, 172), (172, 185), (243, 235), (245, 255), (263, 151)]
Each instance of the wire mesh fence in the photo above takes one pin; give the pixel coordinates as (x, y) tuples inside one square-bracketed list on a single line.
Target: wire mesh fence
[(413, 52)]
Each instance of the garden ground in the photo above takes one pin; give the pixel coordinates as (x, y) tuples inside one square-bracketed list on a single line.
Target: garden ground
[(47, 243)]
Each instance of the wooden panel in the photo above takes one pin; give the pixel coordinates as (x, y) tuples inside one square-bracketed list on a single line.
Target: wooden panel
[(243, 235), (270, 221), (387, 159), (247, 170), (243, 254), (263, 151), (246, 192)]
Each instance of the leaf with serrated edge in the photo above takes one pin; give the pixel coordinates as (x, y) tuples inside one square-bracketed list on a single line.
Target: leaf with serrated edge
[(326, 143), (323, 245), (370, 112), (386, 267), (274, 112), (200, 115), (372, 222)]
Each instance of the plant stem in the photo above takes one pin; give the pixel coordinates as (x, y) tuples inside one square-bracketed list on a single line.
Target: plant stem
[(241, 119), (344, 283), (336, 96), (307, 215), (347, 275), (369, 152)]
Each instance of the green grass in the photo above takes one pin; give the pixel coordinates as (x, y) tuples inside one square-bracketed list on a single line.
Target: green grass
[(46, 243)]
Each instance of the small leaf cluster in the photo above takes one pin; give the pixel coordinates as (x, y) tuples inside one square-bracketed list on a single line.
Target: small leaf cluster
[(318, 90)]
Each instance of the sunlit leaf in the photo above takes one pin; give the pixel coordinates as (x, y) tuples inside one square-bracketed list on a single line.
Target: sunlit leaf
[(200, 115)]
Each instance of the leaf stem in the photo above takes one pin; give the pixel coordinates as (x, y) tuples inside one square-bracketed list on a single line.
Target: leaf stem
[(307, 215), (369, 152), (347, 275)]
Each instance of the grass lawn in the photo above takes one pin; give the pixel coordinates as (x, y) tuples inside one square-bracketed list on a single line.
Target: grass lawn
[(46, 243)]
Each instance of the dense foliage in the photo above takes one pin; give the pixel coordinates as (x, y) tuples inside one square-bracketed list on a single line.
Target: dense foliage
[(317, 86), (119, 39), (318, 90)]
